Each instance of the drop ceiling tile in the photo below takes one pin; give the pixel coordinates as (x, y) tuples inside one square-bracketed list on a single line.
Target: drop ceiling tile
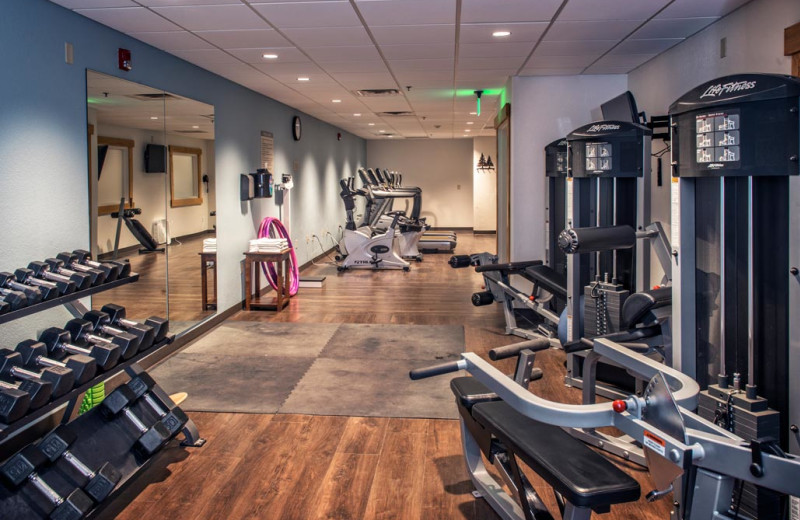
[(623, 60), (365, 80), (172, 41), (594, 30), (163, 3), (693, 8), (244, 39), (651, 46), (673, 27), (129, 19), (213, 17), (611, 9), (309, 14), (295, 69), (202, 56), (421, 65), (520, 32), (386, 104), (414, 34), (574, 48), (560, 62), (286, 55), (511, 62), (418, 51), (490, 11), (536, 71), (412, 78), (344, 53), (481, 84), (87, 4), (235, 71), (363, 66), (328, 36), (607, 69), (407, 12), (478, 50), (482, 75)]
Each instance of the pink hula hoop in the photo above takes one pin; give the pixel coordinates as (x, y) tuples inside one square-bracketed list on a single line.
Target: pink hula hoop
[(272, 228)]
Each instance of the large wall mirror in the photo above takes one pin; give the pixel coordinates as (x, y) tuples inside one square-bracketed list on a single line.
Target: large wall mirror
[(151, 178)]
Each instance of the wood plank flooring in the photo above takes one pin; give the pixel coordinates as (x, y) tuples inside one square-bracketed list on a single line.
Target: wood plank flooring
[(318, 467)]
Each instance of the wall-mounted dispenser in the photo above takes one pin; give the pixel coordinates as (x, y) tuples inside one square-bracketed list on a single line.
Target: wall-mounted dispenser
[(262, 183)]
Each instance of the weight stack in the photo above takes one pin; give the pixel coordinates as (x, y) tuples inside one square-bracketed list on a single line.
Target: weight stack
[(750, 419), (603, 308)]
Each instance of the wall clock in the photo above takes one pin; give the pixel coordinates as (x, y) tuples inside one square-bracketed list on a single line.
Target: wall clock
[(296, 128)]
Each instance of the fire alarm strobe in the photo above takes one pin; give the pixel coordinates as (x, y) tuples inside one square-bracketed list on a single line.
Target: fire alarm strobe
[(125, 62)]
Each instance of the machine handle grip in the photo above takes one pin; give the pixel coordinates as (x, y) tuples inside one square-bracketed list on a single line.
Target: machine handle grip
[(577, 346), (437, 370), (508, 351)]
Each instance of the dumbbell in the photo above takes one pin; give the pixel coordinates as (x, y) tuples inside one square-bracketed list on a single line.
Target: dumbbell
[(109, 273), (102, 324), (82, 333), (85, 258), (100, 483), (148, 440), (24, 466), (14, 403), (34, 354), (14, 299), (42, 270), (39, 392), (117, 314), (4, 307), (32, 294), (58, 343), (11, 367), (170, 415), (27, 276), (96, 276)]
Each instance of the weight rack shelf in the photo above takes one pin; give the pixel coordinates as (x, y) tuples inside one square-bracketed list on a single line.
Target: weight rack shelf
[(7, 429), (61, 300)]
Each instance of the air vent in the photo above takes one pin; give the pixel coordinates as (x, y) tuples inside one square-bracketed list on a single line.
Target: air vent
[(153, 96), (400, 113), (378, 92)]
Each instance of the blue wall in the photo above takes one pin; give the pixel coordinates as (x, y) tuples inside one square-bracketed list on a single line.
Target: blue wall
[(43, 160)]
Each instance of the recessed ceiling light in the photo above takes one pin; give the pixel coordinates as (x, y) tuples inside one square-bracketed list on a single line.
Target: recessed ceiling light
[(501, 34), (389, 136), (473, 113), (303, 78), (468, 130), (470, 123), (382, 131), (336, 100), (270, 56), (154, 117), (195, 127), (371, 124), (356, 115)]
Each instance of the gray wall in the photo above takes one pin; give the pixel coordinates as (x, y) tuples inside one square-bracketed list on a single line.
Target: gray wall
[(43, 150)]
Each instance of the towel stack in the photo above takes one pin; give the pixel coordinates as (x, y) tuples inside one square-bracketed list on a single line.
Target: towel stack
[(268, 245), (210, 245)]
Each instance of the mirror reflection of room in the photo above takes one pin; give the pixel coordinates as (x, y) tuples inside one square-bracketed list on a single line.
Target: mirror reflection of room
[(151, 172)]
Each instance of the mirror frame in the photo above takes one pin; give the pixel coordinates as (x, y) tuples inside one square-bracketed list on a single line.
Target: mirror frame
[(120, 143), (194, 201)]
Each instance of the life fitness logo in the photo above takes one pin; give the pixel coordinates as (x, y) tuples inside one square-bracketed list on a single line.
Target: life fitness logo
[(602, 128), (719, 89)]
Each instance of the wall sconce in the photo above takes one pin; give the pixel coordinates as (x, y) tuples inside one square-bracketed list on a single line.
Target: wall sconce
[(485, 164)]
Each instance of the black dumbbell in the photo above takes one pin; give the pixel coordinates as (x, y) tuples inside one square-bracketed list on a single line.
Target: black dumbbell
[(28, 277), (34, 355), (168, 412), (4, 307), (148, 440), (32, 294), (11, 367), (102, 325), (96, 276), (23, 467), (117, 314), (14, 403), (100, 483), (42, 270), (15, 299), (82, 333), (85, 257), (109, 273), (40, 392), (58, 343)]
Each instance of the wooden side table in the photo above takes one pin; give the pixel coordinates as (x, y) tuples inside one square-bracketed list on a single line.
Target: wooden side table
[(208, 261), (252, 283)]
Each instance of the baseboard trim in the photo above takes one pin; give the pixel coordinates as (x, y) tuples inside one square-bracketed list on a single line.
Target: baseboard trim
[(439, 228), (485, 232)]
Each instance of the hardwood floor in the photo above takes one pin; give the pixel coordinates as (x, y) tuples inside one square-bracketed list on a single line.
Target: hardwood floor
[(320, 467)]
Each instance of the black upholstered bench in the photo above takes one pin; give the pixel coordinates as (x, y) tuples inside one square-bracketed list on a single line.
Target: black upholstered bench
[(547, 278)]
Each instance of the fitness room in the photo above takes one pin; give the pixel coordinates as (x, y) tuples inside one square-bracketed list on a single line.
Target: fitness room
[(400, 259)]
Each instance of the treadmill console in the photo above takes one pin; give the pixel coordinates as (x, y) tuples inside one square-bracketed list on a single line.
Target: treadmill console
[(728, 127), (608, 149)]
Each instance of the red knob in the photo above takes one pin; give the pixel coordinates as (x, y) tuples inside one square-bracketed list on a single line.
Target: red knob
[(483, 287), (619, 406), (532, 297)]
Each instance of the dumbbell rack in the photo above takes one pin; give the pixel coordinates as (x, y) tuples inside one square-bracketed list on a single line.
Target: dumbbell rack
[(99, 441)]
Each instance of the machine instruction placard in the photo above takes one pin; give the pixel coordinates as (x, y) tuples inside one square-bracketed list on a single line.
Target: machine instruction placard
[(717, 139)]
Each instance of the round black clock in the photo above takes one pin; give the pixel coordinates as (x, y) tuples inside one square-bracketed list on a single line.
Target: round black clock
[(296, 128)]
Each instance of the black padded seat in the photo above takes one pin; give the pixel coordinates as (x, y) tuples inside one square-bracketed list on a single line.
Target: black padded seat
[(548, 279), (639, 304), (579, 474), (469, 391)]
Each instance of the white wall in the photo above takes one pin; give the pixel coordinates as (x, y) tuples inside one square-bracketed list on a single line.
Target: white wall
[(544, 109), (441, 167), (484, 186), (754, 35)]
